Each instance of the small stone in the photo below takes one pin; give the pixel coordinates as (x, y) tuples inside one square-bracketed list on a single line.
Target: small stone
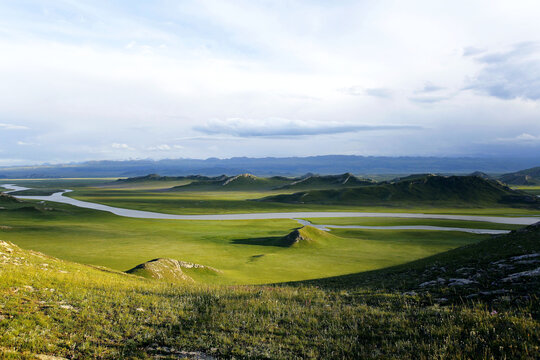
[(460, 282)]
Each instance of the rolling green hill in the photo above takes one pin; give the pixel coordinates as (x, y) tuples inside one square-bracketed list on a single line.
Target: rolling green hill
[(157, 182), (314, 182), (425, 189), (243, 182), (157, 177), (482, 175), (524, 177), (6, 199), (35, 192)]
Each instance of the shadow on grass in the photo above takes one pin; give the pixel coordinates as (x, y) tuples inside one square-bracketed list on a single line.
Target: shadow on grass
[(278, 241)]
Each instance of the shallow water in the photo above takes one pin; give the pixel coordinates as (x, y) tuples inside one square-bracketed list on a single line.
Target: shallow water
[(59, 197), (404, 227)]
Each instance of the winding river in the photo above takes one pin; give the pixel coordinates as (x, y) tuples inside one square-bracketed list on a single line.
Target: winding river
[(60, 198)]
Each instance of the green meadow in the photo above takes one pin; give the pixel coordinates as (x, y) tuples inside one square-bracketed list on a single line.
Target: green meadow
[(265, 289), (239, 248), (531, 189), (215, 202), (244, 251), (68, 310)]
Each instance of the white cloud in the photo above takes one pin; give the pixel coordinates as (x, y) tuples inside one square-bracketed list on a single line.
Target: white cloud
[(284, 127), (156, 72), (521, 138), (121, 146), (25, 143), (165, 147), (12, 127)]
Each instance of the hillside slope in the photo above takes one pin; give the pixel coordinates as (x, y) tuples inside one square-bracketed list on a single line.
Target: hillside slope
[(503, 270), (425, 189), (50, 307), (242, 182), (524, 177), (316, 182)]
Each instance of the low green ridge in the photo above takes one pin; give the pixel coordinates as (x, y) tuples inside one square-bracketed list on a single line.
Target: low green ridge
[(314, 182), (523, 177), (242, 182), (35, 192), (482, 175), (425, 189), (8, 199), (251, 182), (157, 177), (12, 205)]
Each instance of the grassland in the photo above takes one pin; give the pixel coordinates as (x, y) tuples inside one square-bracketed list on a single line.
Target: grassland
[(49, 306), (234, 247), (218, 202), (59, 183), (154, 196), (350, 293), (531, 189), (242, 250)]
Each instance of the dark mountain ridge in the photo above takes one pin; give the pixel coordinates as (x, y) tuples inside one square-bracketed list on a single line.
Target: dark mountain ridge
[(288, 166)]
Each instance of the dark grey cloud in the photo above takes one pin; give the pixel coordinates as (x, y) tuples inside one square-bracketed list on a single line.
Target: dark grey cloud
[(284, 128), (510, 74)]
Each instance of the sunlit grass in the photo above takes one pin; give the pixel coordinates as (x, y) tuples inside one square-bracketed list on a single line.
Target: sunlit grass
[(64, 309)]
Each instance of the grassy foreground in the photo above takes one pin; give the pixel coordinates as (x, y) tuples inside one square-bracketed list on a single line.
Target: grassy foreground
[(49, 306)]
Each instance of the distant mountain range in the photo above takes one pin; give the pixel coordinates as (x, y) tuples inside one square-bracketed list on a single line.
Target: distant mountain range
[(290, 166)]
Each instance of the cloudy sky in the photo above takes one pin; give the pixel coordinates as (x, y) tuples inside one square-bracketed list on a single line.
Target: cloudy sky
[(88, 80)]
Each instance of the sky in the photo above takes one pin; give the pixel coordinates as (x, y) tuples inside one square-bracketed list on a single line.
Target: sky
[(133, 79)]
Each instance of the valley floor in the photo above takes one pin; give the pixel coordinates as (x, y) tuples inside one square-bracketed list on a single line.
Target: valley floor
[(346, 293)]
